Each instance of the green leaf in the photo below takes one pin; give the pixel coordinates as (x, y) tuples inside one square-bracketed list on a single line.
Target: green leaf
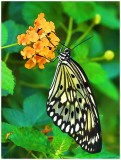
[(49, 8), (81, 52), (112, 69), (4, 92), (13, 31), (30, 139), (112, 12), (87, 10), (61, 141), (109, 89), (79, 153), (44, 77), (94, 72), (34, 112), (16, 117), (16, 13), (97, 75), (4, 34), (27, 138), (6, 129), (35, 109), (95, 45), (7, 79)]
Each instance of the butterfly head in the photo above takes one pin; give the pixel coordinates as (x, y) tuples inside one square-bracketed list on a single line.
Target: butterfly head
[(67, 51), (64, 55)]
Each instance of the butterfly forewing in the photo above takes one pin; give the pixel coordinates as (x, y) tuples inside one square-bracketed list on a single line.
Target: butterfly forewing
[(72, 107)]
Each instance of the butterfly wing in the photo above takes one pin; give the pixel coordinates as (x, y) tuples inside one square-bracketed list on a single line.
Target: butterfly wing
[(72, 107), (89, 137)]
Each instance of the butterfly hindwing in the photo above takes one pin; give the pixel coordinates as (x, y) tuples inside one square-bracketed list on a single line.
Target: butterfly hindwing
[(89, 137), (72, 107)]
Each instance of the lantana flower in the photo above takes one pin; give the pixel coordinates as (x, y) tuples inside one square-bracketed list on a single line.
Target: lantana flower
[(40, 42)]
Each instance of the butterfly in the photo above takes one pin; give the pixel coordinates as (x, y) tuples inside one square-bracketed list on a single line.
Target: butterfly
[(71, 104)]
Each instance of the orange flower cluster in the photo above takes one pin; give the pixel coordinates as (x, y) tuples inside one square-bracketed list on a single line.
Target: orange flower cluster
[(40, 41)]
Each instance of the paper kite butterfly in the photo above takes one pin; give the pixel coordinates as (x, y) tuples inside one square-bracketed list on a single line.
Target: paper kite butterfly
[(71, 104)]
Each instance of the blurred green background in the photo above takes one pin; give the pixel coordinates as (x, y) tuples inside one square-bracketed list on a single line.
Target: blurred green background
[(24, 92)]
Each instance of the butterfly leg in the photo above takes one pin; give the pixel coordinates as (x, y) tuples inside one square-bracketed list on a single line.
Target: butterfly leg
[(48, 58)]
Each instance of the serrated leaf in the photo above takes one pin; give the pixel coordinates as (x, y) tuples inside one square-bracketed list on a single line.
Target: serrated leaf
[(34, 112), (7, 128), (87, 10), (27, 138), (13, 31), (49, 8), (4, 34), (30, 139), (7, 79), (61, 141)]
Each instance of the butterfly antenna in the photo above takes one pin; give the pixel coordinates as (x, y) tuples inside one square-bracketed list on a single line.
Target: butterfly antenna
[(82, 42), (63, 44)]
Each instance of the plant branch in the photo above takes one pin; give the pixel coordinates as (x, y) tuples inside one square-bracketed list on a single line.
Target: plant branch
[(97, 58), (10, 45), (6, 57), (84, 34), (33, 155), (12, 147), (69, 34)]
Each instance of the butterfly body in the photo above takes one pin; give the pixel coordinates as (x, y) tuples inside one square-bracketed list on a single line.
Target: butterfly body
[(71, 104)]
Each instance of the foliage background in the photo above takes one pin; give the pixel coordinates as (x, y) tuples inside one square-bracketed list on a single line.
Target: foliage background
[(24, 92)]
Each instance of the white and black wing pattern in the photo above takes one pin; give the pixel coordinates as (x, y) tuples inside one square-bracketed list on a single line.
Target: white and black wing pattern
[(72, 107), (89, 137)]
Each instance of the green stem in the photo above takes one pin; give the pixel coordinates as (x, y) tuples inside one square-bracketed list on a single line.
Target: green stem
[(10, 45), (44, 154), (31, 85), (69, 34), (29, 152), (33, 155), (97, 58), (12, 147), (6, 57), (84, 35)]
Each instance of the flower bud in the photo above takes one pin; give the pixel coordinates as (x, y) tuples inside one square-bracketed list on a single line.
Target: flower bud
[(109, 55), (97, 19)]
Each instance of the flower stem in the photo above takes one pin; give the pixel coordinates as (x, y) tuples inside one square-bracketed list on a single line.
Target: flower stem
[(69, 34), (10, 45), (97, 58), (84, 35)]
